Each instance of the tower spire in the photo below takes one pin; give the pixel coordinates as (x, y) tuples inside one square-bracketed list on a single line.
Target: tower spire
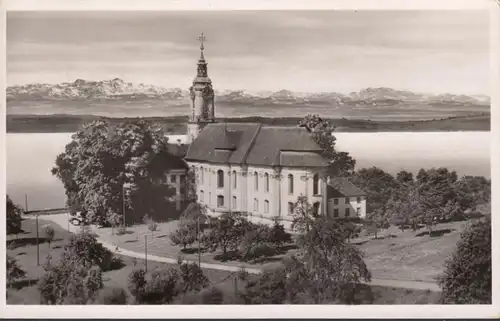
[(202, 39)]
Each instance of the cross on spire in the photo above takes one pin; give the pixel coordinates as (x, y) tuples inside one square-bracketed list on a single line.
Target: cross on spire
[(202, 38)]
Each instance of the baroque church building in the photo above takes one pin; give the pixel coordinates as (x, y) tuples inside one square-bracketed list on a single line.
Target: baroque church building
[(257, 169)]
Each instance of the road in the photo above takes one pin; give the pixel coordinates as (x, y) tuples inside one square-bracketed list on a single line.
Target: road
[(62, 221)]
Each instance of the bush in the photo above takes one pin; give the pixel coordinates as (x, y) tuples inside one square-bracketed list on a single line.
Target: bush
[(192, 277), (14, 272), (121, 230), (185, 235), (84, 249), (159, 287), (467, 275), (13, 217), (256, 243), (112, 296), (49, 233), (277, 234)]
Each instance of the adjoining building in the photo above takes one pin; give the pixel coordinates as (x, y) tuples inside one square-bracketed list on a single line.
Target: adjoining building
[(257, 169)]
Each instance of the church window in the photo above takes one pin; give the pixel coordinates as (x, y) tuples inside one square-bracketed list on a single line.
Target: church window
[(316, 208), (290, 208), (202, 196), (235, 180), (256, 181), (347, 200), (336, 212), (201, 175), (220, 178), (220, 201), (266, 177), (266, 206), (234, 202), (316, 184), (255, 205), (172, 178), (336, 201), (290, 184), (347, 212)]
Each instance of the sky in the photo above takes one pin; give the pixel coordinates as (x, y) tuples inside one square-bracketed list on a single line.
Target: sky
[(304, 51)]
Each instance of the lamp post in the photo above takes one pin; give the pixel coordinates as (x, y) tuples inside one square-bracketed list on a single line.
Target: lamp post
[(123, 203), (146, 252)]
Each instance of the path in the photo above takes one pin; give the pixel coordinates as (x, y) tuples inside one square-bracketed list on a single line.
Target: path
[(62, 221)]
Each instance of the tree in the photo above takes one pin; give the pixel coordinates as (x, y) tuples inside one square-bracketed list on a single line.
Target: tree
[(256, 242), (226, 232), (152, 226), (104, 166), (157, 287), (341, 164), (112, 296), (277, 234), (467, 275), (192, 278), (335, 268), (185, 235), (83, 249), (379, 186), (49, 233), (13, 217), (115, 220), (303, 215)]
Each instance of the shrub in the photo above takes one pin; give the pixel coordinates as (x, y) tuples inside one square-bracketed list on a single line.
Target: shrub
[(277, 234), (255, 243), (84, 249), (69, 283), (121, 230), (14, 272), (159, 287), (192, 277), (13, 217), (49, 233), (137, 284), (112, 296), (185, 235), (467, 275)]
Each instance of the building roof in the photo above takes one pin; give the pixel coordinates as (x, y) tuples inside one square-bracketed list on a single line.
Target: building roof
[(255, 144), (342, 187), (179, 151)]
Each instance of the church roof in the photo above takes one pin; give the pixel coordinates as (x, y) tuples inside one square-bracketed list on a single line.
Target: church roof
[(342, 187), (255, 144)]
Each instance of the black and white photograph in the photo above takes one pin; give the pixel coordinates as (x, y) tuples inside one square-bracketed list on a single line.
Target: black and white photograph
[(248, 157)]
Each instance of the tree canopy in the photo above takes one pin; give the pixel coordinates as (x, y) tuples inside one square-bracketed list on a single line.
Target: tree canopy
[(341, 163), (104, 166), (13, 217)]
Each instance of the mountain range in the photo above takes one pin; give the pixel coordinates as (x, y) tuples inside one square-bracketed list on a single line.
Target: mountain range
[(117, 89)]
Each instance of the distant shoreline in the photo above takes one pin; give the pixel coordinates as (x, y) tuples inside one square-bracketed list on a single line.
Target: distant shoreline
[(176, 125)]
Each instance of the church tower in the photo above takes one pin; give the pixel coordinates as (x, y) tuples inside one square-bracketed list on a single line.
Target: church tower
[(202, 105)]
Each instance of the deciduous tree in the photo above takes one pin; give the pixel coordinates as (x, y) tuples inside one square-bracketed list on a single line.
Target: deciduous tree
[(13, 217), (103, 166)]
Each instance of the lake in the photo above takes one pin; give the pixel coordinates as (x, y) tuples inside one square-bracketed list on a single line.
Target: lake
[(30, 158)]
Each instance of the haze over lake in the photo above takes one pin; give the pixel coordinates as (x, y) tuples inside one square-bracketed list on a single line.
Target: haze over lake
[(31, 156)]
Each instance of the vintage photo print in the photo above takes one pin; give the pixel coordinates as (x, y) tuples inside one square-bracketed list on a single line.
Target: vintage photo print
[(188, 156)]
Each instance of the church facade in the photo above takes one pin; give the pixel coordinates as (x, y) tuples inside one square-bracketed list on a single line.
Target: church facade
[(257, 169)]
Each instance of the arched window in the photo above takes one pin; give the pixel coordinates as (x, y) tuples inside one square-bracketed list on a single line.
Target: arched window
[(234, 202), (202, 196), (290, 208), (316, 208), (220, 201), (255, 205), (235, 180), (220, 178), (266, 206), (266, 183), (315, 184), (290, 184), (256, 181), (201, 175)]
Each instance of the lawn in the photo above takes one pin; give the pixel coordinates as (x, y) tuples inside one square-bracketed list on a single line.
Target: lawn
[(23, 248), (411, 255)]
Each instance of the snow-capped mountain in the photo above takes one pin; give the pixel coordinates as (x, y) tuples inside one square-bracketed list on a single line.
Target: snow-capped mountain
[(118, 89)]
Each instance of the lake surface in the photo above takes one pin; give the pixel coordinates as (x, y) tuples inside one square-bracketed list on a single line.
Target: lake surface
[(30, 158)]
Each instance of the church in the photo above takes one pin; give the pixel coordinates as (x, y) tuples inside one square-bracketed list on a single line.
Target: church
[(257, 169)]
